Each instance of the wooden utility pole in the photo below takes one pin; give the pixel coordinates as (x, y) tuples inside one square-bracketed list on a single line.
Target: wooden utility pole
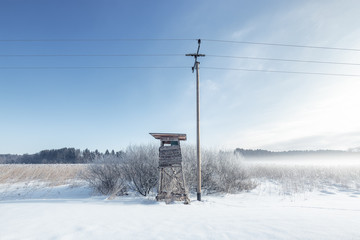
[(198, 153)]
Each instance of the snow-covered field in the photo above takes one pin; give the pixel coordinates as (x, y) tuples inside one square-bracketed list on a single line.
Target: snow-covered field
[(37, 210)]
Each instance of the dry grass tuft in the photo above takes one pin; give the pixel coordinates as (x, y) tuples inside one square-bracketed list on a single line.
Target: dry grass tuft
[(54, 174)]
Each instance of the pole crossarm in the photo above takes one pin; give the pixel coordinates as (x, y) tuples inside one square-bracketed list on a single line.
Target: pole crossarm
[(196, 55)]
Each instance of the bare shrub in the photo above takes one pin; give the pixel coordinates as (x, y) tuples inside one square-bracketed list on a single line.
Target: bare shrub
[(141, 168), (189, 167), (208, 168), (221, 171), (137, 170), (106, 175), (231, 175)]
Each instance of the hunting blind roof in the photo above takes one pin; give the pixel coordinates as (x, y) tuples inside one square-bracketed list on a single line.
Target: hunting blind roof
[(179, 136)]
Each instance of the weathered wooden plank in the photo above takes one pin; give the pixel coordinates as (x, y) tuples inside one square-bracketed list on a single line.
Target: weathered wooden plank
[(170, 154)]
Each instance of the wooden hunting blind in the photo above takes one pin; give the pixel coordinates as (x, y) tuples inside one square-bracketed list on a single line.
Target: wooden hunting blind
[(171, 177)]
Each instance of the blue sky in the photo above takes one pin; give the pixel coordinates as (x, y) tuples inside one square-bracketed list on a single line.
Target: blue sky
[(112, 108)]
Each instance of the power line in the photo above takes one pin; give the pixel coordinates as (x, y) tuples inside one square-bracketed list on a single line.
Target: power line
[(282, 45), (177, 39), (285, 60), (91, 55), (280, 71), (95, 67), (98, 40), (177, 67), (178, 55), (175, 55)]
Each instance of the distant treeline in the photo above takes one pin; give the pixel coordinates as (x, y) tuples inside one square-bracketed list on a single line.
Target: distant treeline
[(77, 156), (63, 155), (249, 153)]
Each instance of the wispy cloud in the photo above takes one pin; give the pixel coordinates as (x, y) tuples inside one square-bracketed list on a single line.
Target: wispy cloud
[(280, 111)]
